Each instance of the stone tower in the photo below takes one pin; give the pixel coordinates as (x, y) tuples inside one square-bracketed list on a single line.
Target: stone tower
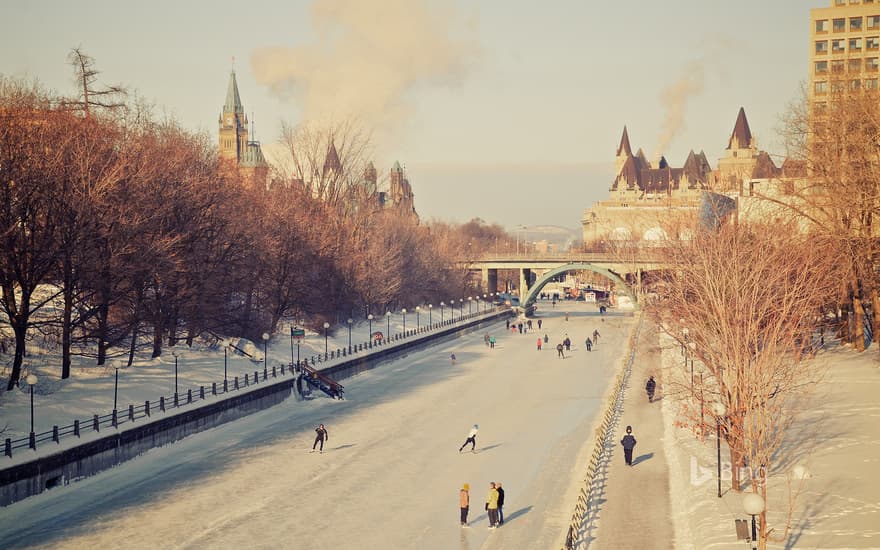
[(235, 147)]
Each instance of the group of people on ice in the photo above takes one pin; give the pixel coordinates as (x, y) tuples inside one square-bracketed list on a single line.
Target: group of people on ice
[(494, 505)]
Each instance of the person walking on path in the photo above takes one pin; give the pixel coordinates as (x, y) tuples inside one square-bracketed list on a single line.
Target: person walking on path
[(567, 343), (539, 324), (471, 438), (500, 503), (529, 323), (559, 348), (540, 342), (629, 443), (589, 344), (492, 506), (596, 336), (486, 339), (519, 326), (464, 503), (492, 342), (321, 436), (546, 339), (452, 358), (650, 386)]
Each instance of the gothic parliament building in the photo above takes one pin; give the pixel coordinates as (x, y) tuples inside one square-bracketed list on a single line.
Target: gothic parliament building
[(246, 155)]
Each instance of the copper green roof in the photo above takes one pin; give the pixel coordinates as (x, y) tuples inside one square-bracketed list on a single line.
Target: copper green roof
[(233, 100)]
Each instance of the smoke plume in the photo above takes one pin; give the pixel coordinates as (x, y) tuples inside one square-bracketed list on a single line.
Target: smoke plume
[(674, 99), (366, 59)]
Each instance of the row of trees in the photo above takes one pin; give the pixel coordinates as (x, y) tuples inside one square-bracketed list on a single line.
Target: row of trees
[(118, 228), (749, 297)]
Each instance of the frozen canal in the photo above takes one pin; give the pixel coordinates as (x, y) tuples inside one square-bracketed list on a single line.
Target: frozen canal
[(391, 471)]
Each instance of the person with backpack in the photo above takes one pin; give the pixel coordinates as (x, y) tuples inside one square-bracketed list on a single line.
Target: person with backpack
[(559, 352)]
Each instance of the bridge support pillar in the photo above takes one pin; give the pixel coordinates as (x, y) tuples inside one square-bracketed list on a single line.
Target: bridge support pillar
[(525, 281), (490, 280)]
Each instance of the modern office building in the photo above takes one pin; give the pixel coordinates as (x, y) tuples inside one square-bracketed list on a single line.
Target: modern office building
[(844, 48)]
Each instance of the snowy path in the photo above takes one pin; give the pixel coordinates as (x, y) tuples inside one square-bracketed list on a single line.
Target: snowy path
[(390, 473)]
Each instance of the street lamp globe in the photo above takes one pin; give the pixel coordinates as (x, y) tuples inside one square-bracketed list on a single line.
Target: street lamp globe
[(370, 317), (753, 504), (265, 336), (719, 409), (403, 310), (31, 380), (326, 325)]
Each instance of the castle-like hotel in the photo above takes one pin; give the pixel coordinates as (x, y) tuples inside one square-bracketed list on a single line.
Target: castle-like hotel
[(247, 157), (646, 199)]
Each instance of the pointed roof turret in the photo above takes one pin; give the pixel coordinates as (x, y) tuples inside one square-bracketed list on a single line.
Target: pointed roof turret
[(331, 161), (741, 132), (624, 147), (396, 167), (233, 100)]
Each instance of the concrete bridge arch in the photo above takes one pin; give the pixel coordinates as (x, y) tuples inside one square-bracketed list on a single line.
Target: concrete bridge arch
[(529, 297)]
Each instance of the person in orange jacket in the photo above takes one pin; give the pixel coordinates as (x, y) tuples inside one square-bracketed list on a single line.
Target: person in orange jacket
[(464, 503), (540, 343)]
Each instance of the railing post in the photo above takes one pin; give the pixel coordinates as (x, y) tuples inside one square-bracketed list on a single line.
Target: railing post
[(55, 434), (76, 428), (246, 378), (176, 403), (226, 385), (114, 421), (213, 388), (95, 424), (266, 373), (256, 376), (7, 450), (202, 392), (32, 441), (236, 382), (162, 403), (131, 412), (189, 396), (147, 407)]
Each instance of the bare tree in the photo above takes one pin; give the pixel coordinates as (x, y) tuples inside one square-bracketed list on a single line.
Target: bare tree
[(745, 299), (86, 76)]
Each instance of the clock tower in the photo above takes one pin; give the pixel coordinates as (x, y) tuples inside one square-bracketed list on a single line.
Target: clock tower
[(233, 124)]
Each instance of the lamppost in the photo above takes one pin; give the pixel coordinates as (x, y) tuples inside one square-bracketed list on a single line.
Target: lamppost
[(302, 323), (430, 317), (265, 354), (418, 322), (404, 321), (388, 324), (349, 321), (485, 302), (326, 327), (225, 379), (32, 381), (461, 309), (115, 386), (470, 303), (720, 410), (174, 353), (693, 346), (441, 312), (370, 319), (753, 504), (452, 309)]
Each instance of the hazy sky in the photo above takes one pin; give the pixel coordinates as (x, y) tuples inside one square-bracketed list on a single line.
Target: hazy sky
[(447, 84)]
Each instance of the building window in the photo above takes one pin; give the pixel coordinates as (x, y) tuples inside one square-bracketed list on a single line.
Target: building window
[(872, 64), (874, 21), (838, 25), (837, 66), (821, 67), (821, 26), (855, 84), (871, 83), (821, 87), (855, 24), (854, 65), (855, 44), (837, 86), (838, 46), (821, 47), (872, 43), (839, 2)]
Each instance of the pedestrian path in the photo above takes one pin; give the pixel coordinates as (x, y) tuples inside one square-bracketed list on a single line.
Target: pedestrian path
[(634, 510)]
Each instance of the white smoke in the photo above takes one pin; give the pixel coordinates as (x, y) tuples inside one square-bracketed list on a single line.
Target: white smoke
[(367, 58), (675, 98)]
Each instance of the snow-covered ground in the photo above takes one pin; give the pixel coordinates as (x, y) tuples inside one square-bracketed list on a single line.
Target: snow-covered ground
[(391, 470), (838, 442)]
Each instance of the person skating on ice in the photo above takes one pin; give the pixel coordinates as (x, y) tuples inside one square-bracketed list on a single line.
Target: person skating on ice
[(471, 438), (320, 436), (629, 443)]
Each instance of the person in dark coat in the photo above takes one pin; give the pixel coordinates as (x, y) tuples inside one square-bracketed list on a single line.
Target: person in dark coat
[(539, 324), (559, 353), (589, 344), (629, 443), (567, 343), (321, 435), (650, 386), (500, 503)]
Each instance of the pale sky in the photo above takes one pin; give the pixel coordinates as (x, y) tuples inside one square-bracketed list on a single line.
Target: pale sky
[(449, 83)]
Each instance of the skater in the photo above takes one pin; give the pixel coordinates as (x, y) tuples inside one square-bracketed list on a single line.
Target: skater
[(492, 342), (508, 324), (559, 348), (452, 358), (629, 443), (595, 336), (650, 386), (566, 316), (539, 344), (567, 343), (471, 438), (321, 435), (464, 503), (589, 344), (530, 324), (486, 339), (546, 339), (492, 506), (500, 503), (519, 326), (539, 324)]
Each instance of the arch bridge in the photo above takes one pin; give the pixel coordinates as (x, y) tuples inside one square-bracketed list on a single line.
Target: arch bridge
[(535, 271)]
